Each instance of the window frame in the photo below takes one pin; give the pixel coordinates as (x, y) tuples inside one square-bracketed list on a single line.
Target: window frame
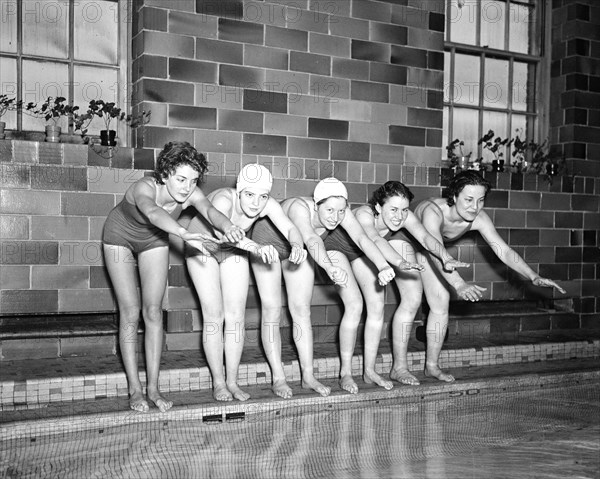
[(538, 117), (122, 67)]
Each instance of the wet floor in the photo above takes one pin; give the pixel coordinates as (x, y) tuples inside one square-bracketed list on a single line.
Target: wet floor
[(526, 433)]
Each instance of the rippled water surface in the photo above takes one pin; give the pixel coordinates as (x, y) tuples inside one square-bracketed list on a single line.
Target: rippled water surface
[(549, 433)]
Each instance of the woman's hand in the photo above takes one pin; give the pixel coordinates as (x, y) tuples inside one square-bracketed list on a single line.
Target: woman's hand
[(298, 254), (407, 265), (470, 292), (386, 275), (234, 234), (452, 264), (546, 283), (338, 276), (267, 253)]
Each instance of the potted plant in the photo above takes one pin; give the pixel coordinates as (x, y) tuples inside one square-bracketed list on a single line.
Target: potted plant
[(458, 160), (7, 103), (52, 110), (533, 157), (496, 146), (108, 111)]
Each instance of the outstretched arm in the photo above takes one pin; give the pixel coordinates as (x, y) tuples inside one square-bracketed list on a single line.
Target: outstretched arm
[(432, 221), (358, 235), (367, 221), (215, 216), (431, 243), (299, 214), (508, 255), (275, 212)]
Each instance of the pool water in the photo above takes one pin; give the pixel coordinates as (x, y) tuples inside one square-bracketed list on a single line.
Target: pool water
[(550, 432)]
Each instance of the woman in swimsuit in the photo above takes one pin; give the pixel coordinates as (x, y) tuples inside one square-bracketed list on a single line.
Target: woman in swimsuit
[(386, 214), (316, 218), (221, 263), (140, 226), (447, 220)]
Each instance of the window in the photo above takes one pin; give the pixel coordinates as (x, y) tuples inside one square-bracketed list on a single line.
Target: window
[(76, 49), (495, 72)]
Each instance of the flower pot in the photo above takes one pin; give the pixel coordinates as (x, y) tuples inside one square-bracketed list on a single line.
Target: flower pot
[(497, 165), (107, 137), (2, 126), (463, 163), (551, 169), (53, 133)]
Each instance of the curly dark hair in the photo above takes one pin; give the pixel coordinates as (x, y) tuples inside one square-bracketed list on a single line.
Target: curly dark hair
[(175, 154), (462, 179), (388, 190)]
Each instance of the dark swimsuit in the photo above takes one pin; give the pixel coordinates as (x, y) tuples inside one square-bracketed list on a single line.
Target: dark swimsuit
[(219, 251), (127, 226)]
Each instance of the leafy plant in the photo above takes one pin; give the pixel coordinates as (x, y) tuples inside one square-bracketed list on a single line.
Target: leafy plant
[(8, 103), (108, 111), (52, 109), (453, 156), (496, 146), (533, 157)]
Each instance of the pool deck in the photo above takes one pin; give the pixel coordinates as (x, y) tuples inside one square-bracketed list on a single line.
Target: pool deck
[(534, 358)]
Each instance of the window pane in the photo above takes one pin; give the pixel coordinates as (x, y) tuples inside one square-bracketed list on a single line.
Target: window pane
[(465, 89), (94, 84), (497, 122), (446, 126), (446, 76), (96, 31), (463, 22), (8, 86), (8, 32), (495, 88), (519, 127), (464, 127), (520, 86), (493, 16), (45, 28), (521, 18), (55, 83)]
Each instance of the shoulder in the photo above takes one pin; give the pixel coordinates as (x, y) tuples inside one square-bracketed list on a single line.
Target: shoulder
[(483, 222)]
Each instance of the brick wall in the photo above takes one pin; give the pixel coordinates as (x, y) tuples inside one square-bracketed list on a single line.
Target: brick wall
[(575, 131), (353, 89)]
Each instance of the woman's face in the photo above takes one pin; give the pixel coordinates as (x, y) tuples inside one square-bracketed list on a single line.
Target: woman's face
[(470, 201), (181, 183), (332, 211), (394, 212), (253, 201)]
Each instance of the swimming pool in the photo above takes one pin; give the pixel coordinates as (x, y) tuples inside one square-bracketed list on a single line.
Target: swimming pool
[(548, 431)]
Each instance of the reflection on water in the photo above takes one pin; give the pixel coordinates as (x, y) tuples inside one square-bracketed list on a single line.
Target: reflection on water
[(525, 434)]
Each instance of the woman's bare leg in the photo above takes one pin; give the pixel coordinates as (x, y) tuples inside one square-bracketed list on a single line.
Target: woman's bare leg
[(235, 278), (374, 295), (353, 304), (411, 292), (268, 281), (299, 281), (120, 265), (206, 276), (153, 265), (438, 299)]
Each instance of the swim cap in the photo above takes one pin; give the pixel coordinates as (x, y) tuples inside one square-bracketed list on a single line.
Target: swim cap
[(329, 187), (254, 176)]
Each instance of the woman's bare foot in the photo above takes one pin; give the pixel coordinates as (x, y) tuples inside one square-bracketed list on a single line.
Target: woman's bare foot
[(160, 402), (348, 384), (371, 377), (404, 377), (137, 402), (436, 372), (312, 383), (238, 393), (281, 389), (221, 393)]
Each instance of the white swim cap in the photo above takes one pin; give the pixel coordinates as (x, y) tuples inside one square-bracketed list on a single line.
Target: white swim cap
[(256, 176), (329, 187)]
